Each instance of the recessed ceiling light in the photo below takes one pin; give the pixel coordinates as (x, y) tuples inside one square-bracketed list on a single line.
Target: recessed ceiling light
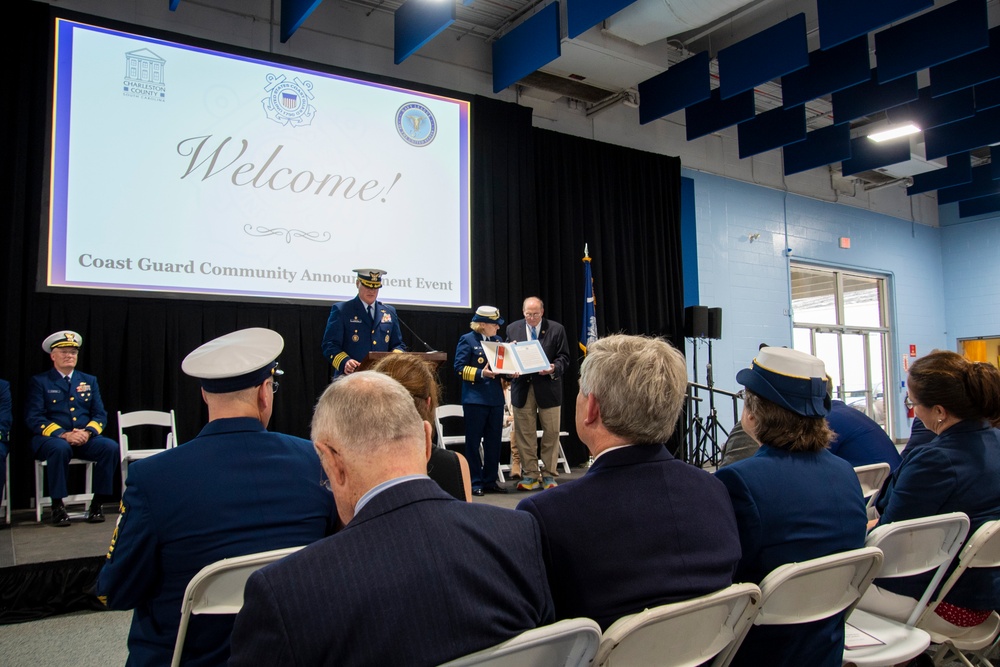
[(895, 132)]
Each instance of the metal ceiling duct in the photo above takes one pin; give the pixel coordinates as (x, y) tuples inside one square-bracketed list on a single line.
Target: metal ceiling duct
[(646, 21)]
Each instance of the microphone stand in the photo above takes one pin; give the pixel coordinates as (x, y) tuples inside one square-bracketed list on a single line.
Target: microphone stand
[(414, 333)]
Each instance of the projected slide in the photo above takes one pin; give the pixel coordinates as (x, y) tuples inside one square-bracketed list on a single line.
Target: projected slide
[(184, 170)]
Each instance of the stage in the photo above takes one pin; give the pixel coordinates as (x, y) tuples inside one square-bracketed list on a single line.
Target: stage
[(45, 570)]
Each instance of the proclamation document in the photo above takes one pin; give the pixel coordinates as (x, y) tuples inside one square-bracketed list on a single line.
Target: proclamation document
[(510, 358)]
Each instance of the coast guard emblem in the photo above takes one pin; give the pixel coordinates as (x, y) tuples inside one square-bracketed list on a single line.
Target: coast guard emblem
[(287, 101), (416, 124)]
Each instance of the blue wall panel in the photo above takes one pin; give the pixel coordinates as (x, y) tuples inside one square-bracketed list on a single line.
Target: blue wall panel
[(531, 45), (686, 83), (841, 20), (933, 38), (824, 146), (717, 114), (958, 172), (828, 71), (293, 14), (689, 242), (980, 206), (772, 129), (769, 54), (869, 97), (418, 22), (867, 154)]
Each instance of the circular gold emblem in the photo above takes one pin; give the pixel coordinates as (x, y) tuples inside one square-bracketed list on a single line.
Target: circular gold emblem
[(355, 338), (387, 338), (481, 360)]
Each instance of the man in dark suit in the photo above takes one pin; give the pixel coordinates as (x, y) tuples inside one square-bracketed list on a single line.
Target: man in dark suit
[(66, 417), (235, 489), (641, 528), (415, 577), (362, 325), (538, 396)]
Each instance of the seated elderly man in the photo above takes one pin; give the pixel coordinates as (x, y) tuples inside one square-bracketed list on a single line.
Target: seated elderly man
[(415, 577), (641, 528), (235, 489)]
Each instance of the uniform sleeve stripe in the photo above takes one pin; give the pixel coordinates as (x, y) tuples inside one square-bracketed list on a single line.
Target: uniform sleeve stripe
[(50, 429), (97, 426), (339, 359)]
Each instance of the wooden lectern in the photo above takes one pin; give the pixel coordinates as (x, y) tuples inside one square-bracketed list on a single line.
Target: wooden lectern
[(434, 358)]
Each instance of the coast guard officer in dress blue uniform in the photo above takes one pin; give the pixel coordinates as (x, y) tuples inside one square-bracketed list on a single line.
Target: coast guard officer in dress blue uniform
[(235, 489), (66, 417), (362, 325), (482, 401)]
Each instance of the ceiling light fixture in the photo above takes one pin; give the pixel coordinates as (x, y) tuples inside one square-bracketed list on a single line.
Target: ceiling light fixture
[(893, 133)]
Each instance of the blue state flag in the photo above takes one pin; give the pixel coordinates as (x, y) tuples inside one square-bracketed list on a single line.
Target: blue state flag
[(588, 330)]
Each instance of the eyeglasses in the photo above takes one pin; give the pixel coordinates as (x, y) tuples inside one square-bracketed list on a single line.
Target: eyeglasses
[(274, 387), (324, 482), (909, 403)]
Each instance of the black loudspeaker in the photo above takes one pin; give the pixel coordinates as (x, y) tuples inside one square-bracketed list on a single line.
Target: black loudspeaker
[(696, 322), (715, 323)]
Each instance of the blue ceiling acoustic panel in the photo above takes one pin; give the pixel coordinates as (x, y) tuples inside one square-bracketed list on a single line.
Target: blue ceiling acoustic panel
[(979, 206), (987, 95), (933, 38), (716, 114), (928, 112), (867, 98), (842, 20), (582, 15), (828, 71), (958, 172), (769, 54), (982, 129), (527, 47), (967, 71), (982, 185), (173, 5), (418, 22), (686, 83), (867, 155), (293, 14), (824, 146), (772, 129)]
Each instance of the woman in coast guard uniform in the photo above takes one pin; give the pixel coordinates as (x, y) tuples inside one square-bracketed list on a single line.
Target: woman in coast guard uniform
[(482, 401)]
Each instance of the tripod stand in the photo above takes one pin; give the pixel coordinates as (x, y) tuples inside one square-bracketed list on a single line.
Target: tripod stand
[(703, 433)]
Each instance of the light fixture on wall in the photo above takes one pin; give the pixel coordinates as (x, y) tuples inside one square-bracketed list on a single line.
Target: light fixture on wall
[(894, 132), (753, 237)]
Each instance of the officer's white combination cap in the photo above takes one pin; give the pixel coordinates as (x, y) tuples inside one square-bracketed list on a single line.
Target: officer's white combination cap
[(62, 339), (241, 359)]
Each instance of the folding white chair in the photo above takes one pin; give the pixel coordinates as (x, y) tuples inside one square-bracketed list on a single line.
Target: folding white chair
[(909, 547), (682, 634), (982, 550), (218, 589), (569, 643), (871, 478), (812, 590), (42, 501), (144, 418), (444, 412)]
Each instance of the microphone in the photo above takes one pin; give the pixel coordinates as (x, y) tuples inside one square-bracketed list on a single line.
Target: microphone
[(421, 340)]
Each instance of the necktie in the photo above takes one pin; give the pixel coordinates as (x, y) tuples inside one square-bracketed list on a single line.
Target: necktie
[(371, 311), (68, 386), (534, 333)]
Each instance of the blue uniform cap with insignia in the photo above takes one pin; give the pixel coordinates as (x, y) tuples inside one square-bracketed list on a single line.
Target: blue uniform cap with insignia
[(790, 378), (488, 314), (62, 339), (238, 360), (371, 278)]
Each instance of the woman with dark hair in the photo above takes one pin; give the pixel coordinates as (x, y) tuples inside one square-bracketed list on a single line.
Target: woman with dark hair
[(794, 500), (449, 469), (957, 471)]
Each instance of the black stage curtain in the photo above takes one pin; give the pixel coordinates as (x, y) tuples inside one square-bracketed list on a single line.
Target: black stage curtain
[(538, 196)]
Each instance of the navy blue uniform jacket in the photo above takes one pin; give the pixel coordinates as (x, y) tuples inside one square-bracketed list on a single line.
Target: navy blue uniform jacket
[(640, 529), (235, 489), (470, 361), (860, 440), (52, 409), (351, 334), (548, 388), (790, 507), (959, 471), (416, 578)]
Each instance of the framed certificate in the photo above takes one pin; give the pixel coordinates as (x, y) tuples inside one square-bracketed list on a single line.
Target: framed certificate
[(516, 358)]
